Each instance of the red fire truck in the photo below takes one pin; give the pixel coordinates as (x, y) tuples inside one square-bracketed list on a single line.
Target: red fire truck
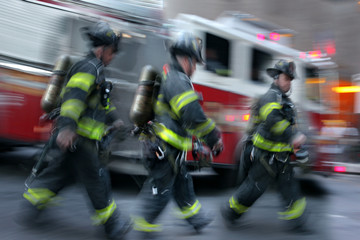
[(237, 49)]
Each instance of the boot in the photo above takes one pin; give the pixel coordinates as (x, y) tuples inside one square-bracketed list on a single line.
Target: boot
[(28, 215), (300, 225), (229, 216), (200, 221), (139, 235), (116, 227)]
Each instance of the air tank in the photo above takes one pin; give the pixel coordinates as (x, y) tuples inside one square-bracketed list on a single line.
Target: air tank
[(50, 97), (142, 107)]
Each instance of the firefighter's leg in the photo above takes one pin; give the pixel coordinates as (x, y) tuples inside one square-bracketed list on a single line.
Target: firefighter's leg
[(44, 189), (295, 203), (154, 196), (96, 180), (190, 207), (249, 191), (245, 161)]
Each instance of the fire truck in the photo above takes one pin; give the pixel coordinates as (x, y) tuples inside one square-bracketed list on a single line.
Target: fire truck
[(237, 49)]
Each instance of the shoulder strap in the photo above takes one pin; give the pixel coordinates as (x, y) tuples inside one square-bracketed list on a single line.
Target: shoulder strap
[(99, 68)]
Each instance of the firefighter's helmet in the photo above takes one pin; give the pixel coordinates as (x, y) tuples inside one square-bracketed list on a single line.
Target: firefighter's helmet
[(187, 44), (101, 34), (282, 66)]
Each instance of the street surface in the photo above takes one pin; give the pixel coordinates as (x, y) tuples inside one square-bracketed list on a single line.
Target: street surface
[(332, 201)]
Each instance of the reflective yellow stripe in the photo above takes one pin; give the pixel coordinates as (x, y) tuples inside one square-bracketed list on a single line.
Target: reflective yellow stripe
[(91, 128), (38, 196), (271, 146), (161, 108), (203, 128), (81, 80), (188, 212), (111, 109), (267, 109), (296, 210), (140, 224), (280, 127), (72, 108), (108, 104), (181, 100), (181, 143), (102, 215), (236, 206)]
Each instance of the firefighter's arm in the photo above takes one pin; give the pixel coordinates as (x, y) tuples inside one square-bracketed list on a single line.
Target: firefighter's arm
[(298, 139), (66, 139), (187, 108), (72, 107), (275, 122), (113, 117), (279, 125)]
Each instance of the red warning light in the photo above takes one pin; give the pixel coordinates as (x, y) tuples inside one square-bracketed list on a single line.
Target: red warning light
[(340, 169), (315, 54), (230, 118), (330, 48), (260, 36), (302, 55), (274, 36)]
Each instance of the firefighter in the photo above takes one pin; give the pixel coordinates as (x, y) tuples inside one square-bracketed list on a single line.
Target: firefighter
[(85, 114), (274, 137), (178, 117)]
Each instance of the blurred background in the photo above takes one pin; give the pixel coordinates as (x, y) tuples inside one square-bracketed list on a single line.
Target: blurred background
[(241, 39)]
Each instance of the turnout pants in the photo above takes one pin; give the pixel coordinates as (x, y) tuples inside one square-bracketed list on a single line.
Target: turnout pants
[(168, 178), (63, 169), (265, 168)]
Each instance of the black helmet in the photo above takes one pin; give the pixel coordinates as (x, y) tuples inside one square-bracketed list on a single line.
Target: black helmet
[(101, 34), (282, 66), (188, 45)]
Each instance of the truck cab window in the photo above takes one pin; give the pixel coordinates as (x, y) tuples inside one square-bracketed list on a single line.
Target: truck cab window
[(312, 85), (217, 55), (260, 61)]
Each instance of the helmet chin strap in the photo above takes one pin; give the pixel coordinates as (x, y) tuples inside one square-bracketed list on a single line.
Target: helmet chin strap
[(190, 64), (288, 93)]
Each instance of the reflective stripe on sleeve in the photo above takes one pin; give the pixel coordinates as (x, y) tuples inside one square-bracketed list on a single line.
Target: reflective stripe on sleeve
[(181, 143), (270, 146), (279, 127), (181, 100), (267, 109), (91, 128), (72, 108), (203, 128)]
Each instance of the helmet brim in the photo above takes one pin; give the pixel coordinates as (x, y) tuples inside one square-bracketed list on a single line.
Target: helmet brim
[(273, 72)]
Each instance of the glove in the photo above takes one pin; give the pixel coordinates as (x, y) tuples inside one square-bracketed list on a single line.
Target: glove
[(302, 157), (218, 147), (202, 154)]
